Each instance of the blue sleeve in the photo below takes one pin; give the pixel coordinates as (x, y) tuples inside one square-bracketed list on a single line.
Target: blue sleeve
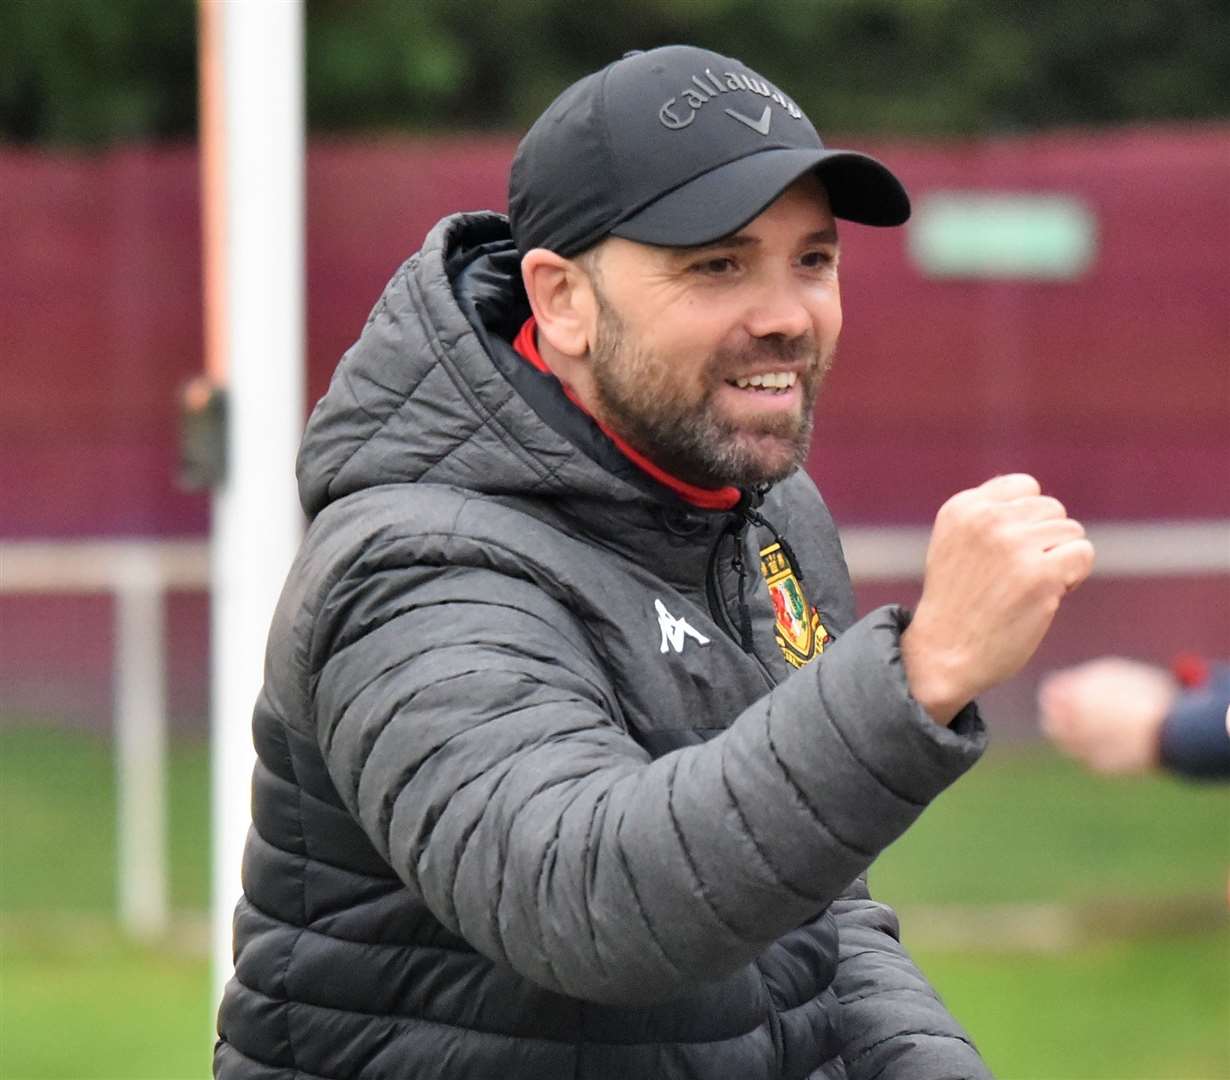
[(1195, 742)]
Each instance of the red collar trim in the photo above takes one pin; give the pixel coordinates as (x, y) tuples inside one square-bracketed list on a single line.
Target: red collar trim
[(526, 343)]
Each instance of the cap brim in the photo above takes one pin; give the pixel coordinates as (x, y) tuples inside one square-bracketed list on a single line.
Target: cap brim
[(723, 200)]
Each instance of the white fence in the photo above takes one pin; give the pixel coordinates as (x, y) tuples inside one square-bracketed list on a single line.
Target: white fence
[(138, 574)]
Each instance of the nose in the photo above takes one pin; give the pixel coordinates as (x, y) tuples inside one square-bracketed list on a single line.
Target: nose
[(778, 309)]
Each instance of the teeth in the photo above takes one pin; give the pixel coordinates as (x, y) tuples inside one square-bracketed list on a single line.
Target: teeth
[(771, 380)]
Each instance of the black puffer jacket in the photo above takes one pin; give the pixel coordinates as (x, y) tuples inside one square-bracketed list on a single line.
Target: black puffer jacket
[(524, 806)]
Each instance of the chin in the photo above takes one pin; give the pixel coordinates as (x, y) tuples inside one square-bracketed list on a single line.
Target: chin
[(764, 465)]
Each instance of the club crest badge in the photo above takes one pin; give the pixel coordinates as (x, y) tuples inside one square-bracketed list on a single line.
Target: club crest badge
[(800, 634)]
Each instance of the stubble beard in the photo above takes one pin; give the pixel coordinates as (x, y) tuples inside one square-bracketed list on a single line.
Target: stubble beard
[(690, 437)]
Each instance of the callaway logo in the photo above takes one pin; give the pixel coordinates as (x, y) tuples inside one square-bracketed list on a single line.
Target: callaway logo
[(760, 126), (674, 631), (708, 86)]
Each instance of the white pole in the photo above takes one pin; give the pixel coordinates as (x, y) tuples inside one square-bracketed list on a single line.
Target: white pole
[(257, 522), (140, 705)]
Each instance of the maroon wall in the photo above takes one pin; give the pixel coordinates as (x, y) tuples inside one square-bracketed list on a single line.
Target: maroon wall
[(1114, 388)]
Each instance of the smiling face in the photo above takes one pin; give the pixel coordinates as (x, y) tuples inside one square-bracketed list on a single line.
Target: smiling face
[(708, 360)]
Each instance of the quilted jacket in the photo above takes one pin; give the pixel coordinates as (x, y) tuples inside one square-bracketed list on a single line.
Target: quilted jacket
[(538, 794)]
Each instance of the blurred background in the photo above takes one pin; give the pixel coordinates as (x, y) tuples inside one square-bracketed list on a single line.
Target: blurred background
[(1060, 303)]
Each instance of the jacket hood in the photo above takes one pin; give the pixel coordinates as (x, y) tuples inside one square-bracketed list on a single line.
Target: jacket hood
[(433, 392)]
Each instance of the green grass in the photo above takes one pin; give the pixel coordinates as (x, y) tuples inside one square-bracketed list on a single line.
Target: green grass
[(77, 1002), (1025, 825), (1150, 1009), (57, 822)]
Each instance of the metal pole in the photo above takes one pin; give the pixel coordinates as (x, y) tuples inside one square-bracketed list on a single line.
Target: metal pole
[(257, 522), (140, 708)]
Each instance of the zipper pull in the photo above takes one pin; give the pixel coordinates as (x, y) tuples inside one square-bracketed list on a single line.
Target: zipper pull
[(787, 550), (740, 568)]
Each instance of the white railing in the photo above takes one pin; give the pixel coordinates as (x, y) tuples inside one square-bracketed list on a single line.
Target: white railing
[(138, 574), (1124, 549)]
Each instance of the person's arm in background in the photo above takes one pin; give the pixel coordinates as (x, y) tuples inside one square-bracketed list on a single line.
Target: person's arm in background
[(1122, 716)]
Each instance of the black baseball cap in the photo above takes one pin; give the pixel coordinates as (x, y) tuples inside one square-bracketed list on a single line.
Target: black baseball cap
[(677, 146)]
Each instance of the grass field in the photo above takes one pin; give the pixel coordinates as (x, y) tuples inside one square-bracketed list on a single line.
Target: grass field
[(1132, 982)]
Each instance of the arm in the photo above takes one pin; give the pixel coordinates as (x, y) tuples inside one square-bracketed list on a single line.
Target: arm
[(1123, 716), (895, 1025), (1195, 736), (1001, 558), (474, 736), (1108, 713)]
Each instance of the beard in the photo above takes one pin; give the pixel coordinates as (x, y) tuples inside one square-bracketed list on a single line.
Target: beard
[(683, 429)]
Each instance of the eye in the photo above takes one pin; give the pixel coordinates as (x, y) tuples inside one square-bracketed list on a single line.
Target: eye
[(819, 259), (716, 266)]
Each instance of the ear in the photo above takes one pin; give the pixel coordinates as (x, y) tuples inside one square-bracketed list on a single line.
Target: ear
[(562, 300)]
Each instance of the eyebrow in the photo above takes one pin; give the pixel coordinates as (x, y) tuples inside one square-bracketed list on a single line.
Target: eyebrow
[(742, 240)]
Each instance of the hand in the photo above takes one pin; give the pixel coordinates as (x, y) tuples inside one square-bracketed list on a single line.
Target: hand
[(1001, 558), (1108, 713)]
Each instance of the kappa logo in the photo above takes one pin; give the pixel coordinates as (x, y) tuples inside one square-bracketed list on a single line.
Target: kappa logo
[(675, 631)]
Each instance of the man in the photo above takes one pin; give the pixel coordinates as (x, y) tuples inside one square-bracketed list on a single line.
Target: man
[(572, 753)]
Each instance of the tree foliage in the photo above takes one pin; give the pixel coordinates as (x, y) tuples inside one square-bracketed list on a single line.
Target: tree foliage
[(98, 71)]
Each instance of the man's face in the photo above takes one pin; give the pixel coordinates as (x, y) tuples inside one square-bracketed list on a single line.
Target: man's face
[(708, 360)]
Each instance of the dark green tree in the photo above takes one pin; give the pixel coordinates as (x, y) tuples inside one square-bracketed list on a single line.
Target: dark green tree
[(97, 71)]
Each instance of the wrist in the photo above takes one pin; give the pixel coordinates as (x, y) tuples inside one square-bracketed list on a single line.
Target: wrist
[(932, 678)]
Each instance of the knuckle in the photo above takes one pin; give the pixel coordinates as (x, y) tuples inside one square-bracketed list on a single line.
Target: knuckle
[(1026, 482), (957, 516), (1087, 555), (1008, 535), (981, 514), (956, 503)]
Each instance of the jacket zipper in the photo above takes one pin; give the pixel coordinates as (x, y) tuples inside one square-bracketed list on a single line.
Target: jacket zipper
[(713, 590)]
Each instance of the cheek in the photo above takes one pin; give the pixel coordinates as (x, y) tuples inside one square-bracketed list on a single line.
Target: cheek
[(680, 349), (826, 314)]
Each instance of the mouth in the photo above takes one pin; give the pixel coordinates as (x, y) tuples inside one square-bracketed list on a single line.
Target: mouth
[(768, 382)]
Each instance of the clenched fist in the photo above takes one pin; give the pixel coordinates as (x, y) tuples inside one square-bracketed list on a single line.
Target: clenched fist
[(1001, 557), (1108, 713)]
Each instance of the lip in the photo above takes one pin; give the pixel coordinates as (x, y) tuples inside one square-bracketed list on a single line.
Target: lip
[(765, 400)]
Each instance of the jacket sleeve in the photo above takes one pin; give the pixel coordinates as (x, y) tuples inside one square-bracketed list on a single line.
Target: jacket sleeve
[(471, 730), (1195, 736), (895, 1025)]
